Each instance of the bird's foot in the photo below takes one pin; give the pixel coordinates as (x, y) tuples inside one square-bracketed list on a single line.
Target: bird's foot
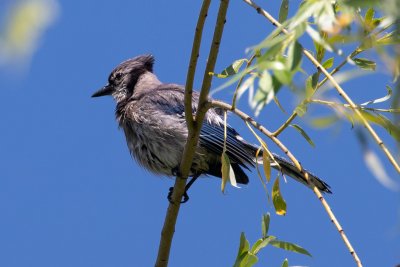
[(185, 196)]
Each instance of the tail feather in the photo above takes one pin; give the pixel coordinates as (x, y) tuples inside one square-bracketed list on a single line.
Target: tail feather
[(288, 168)]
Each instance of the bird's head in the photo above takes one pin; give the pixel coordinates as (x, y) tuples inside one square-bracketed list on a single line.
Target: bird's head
[(124, 77)]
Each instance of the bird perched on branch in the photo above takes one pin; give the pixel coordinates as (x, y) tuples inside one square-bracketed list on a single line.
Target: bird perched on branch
[(152, 115)]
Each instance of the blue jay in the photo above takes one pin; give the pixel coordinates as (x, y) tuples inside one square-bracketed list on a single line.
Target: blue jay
[(152, 117)]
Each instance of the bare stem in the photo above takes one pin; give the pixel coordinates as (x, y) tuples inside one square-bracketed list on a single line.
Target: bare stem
[(340, 90), (262, 129), (193, 63), (285, 124), (194, 125)]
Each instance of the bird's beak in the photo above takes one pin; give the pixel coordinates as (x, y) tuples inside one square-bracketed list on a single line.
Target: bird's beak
[(106, 90)]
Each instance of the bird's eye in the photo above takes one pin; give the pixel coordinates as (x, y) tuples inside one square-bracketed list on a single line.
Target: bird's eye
[(118, 76)]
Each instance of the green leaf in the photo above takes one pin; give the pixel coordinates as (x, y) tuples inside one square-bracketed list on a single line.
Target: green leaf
[(267, 166), (294, 56), (258, 170), (255, 245), (315, 78), (265, 94), (235, 78), (231, 69), (303, 133), (319, 48), (290, 247), (389, 39), (381, 120), (311, 84), (285, 263), (244, 258), (243, 245), (272, 52), (369, 15), (328, 63), (376, 22), (271, 65), (341, 39), (301, 109), (277, 199), (283, 11), (283, 76), (309, 87), (299, 30), (265, 224), (261, 243), (265, 83), (393, 129), (369, 22), (225, 169), (268, 87), (365, 63), (323, 122), (249, 260)]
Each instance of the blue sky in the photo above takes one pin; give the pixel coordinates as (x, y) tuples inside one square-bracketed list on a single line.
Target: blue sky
[(70, 194)]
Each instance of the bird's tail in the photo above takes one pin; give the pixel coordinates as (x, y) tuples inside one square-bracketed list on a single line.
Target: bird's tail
[(288, 168)]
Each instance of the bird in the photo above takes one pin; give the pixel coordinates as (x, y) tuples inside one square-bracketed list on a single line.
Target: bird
[(152, 116)]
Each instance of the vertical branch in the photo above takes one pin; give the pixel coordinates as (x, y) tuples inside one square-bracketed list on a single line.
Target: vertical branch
[(194, 125), (168, 230), (193, 63)]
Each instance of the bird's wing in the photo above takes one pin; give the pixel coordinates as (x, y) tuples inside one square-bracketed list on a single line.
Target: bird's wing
[(169, 98), (238, 150)]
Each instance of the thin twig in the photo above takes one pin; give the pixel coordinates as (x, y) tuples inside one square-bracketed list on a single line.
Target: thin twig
[(340, 90), (194, 125), (247, 118), (285, 124)]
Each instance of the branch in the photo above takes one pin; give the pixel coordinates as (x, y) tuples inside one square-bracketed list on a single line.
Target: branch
[(179, 187), (193, 62), (247, 118), (194, 126), (340, 90)]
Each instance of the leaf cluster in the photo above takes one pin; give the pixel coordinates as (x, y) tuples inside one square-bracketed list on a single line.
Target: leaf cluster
[(247, 256)]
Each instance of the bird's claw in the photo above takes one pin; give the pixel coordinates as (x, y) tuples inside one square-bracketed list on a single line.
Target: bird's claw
[(184, 200)]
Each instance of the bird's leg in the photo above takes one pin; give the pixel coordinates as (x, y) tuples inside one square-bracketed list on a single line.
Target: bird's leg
[(185, 194)]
